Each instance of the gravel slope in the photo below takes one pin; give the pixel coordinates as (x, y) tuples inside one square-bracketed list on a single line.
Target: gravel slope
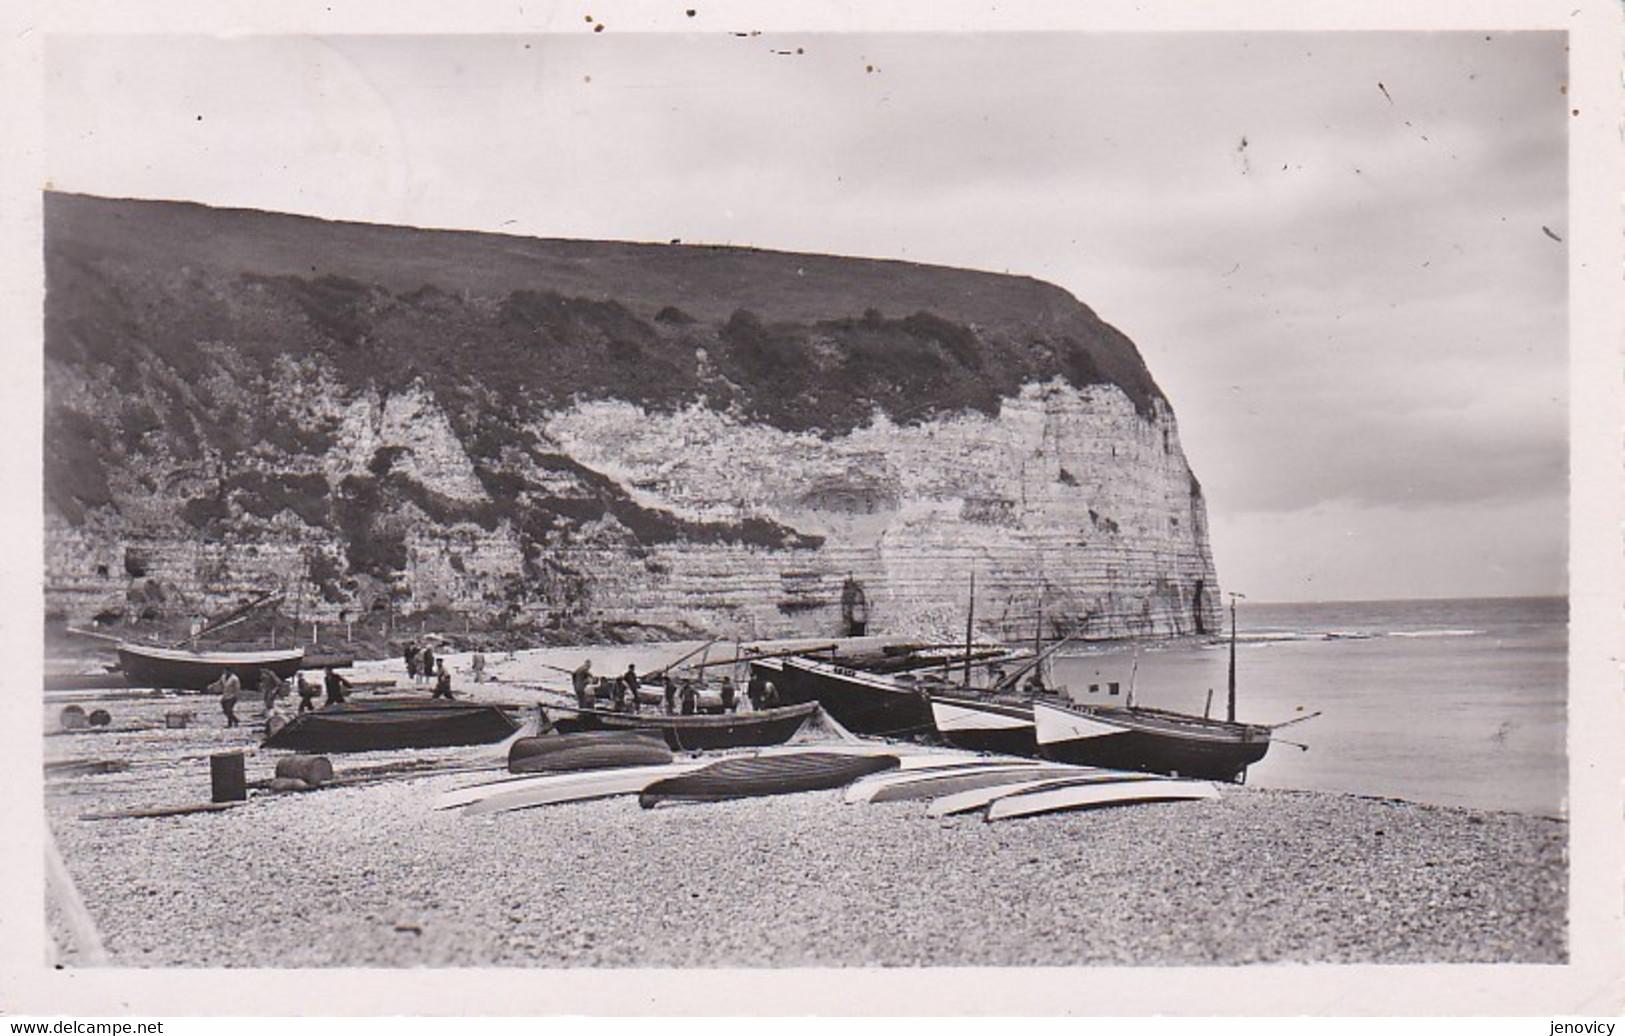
[(370, 874)]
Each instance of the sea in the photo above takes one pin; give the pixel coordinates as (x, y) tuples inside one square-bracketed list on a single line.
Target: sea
[(1448, 702)]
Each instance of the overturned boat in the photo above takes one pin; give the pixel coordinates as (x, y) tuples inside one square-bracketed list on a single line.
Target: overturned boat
[(394, 723)]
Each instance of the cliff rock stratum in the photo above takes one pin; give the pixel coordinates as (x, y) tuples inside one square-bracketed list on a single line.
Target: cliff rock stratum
[(659, 440)]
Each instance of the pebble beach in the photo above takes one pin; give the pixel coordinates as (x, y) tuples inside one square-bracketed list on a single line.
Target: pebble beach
[(368, 873)]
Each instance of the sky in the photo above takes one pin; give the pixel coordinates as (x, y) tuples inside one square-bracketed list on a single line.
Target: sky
[(1343, 255)]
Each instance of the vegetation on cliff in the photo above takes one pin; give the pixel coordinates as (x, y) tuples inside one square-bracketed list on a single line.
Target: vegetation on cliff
[(202, 355)]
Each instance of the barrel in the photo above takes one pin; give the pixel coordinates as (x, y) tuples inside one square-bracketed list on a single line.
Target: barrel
[(100, 718), (73, 718), (314, 770), (228, 779)]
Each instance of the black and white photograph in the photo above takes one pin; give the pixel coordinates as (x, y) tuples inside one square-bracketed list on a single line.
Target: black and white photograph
[(675, 509)]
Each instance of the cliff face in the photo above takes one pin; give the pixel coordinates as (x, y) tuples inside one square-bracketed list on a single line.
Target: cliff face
[(580, 434)]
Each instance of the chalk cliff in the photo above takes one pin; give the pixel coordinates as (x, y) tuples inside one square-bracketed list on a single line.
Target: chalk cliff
[(660, 439)]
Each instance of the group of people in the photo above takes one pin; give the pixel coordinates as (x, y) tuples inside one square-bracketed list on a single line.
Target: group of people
[(427, 670), (679, 698), (274, 688)]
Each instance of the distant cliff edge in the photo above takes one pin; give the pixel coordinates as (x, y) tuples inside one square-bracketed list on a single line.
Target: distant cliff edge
[(649, 440)]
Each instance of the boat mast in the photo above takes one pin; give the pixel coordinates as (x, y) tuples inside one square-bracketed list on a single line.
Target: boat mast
[(1231, 710), (970, 622)]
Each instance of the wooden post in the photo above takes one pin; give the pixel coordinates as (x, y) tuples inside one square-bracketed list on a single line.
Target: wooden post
[(1208, 708)]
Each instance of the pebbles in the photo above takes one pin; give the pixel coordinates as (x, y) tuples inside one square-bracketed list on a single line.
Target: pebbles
[(373, 876)]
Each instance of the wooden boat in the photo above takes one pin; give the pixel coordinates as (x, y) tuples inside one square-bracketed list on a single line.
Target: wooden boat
[(594, 750), (777, 774), (1094, 795), (557, 788), (933, 784), (392, 723), (875, 704), (694, 733), (975, 798), (147, 666), (1148, 740), (1131, 737), (1002, 724)]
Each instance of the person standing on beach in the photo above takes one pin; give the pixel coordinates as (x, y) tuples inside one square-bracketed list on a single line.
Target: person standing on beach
[(442, 681), (412, 661), (337, 686), (426, 664), (581, 679), (477, 663), (230, 688)]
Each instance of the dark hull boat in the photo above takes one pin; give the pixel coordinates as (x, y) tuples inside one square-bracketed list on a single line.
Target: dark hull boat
[(985, 724), (696, 733), (390, 723), (1148, 740), (592, 750), (175, 669), (783, 774), (874, 704)]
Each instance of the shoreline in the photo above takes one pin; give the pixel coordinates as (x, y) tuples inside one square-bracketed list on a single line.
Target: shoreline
[(369, 874)]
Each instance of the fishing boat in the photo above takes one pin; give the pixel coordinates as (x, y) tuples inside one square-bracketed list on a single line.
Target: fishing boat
[(985, 724), (1148, 740), (875, 704), (176, 669), (693, 733), (394, 723), (779, 774)]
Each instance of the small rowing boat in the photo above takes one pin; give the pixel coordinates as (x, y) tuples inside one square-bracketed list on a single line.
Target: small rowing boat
[(594, 750), (1092, 795), (975, 798), (777, 774), (930, 784), (558, 788)]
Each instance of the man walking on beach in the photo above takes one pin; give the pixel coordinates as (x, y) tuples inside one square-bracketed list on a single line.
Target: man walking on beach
[(271, 688), (582, 680), (230, 688), (307, 693)]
